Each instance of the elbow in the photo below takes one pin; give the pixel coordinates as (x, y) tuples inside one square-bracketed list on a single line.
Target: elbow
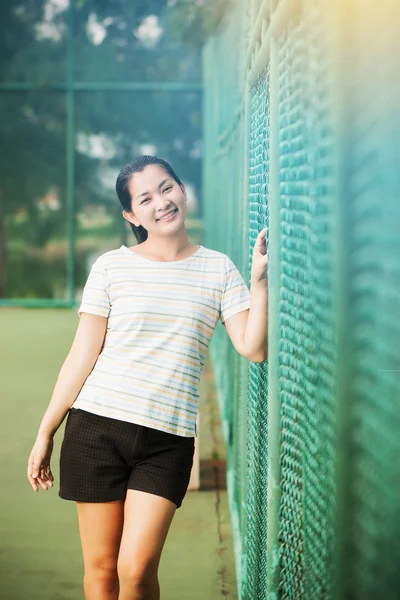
[(258, 358)]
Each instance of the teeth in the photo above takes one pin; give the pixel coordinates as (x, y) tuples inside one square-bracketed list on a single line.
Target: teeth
[(168, 215)]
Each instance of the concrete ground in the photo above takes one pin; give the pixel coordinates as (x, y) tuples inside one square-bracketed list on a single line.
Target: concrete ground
[(40, 554)]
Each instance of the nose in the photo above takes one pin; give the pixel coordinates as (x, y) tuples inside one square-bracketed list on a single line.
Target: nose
[(163, 208), (163, 203)]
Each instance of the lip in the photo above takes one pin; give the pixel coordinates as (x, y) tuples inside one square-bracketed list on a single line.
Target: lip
[(172, 215)]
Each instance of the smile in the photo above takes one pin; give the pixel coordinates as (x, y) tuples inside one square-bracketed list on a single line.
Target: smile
[(170, 217)]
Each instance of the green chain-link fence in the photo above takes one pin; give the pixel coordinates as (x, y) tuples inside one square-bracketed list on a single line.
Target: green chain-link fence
[(302, 135), (74, 108)]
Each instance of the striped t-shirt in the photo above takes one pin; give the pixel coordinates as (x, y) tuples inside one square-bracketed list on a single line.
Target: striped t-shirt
[(161, 318)]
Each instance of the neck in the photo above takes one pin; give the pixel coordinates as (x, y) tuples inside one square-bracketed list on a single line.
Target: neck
[(169, 248)]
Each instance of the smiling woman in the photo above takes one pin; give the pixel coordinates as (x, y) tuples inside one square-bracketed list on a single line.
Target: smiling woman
[(154, 202), (130, 384)]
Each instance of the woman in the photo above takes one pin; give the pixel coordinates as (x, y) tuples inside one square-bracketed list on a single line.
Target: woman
[(129, 383)]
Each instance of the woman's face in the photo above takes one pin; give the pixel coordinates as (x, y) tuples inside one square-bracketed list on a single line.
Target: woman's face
[(154, 194)]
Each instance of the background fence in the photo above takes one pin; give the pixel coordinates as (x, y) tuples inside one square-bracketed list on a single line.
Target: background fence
[(302, 129), (84, 86)]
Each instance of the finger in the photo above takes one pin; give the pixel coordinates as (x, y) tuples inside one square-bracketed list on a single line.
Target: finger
[(261, 239), (42, 483), (36, 466), (33, 483), (41, 479), (261, 248), (31, 478), (44, 474), (259, 245), (49, 473), (45, 477)]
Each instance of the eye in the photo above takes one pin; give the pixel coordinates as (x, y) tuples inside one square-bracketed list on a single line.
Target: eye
[(168, 188), (145, 200)]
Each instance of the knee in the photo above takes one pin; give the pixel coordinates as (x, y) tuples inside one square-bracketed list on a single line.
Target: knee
[(101, 569), (137, 575)]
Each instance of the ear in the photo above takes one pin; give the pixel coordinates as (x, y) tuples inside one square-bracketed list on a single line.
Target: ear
[(130, 217), (183, 190)]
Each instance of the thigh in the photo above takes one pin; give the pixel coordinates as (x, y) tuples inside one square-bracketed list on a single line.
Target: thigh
[(92, 467), (165, 465), (147, 519), (100, 528)]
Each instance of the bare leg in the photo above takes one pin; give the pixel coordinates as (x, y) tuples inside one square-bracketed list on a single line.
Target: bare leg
[(100, 527), (146, 523)]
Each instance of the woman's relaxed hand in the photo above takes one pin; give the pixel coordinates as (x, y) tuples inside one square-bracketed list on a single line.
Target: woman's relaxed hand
[(39, 472), (259, 266)]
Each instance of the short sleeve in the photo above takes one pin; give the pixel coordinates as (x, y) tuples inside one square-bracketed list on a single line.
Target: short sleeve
[(95, 298), (235, 295)]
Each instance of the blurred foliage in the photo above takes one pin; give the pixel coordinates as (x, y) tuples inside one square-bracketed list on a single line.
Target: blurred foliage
[(118, 41), (190, 22)]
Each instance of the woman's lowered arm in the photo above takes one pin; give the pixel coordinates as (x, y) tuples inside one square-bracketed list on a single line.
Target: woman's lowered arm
[(77, 366)]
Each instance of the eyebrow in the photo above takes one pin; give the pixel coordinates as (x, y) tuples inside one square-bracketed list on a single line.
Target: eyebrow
[(161, 184)]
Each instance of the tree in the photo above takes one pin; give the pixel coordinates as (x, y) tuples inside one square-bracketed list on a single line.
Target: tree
[(118, 41)]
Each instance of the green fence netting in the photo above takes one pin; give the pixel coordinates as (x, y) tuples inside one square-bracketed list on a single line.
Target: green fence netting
[(371, 205), (302, 135), (258, 178), (74, 108)]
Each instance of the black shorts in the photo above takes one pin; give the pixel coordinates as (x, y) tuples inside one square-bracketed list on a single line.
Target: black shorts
[(102, 457)]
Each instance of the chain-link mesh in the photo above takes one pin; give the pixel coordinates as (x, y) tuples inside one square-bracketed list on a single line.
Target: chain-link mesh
[(225, 212), (258, 176), (371, 184), (323, 175), (307, 349)]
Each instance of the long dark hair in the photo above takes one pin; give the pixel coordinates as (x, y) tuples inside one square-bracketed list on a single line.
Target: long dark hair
[(134, 166)]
